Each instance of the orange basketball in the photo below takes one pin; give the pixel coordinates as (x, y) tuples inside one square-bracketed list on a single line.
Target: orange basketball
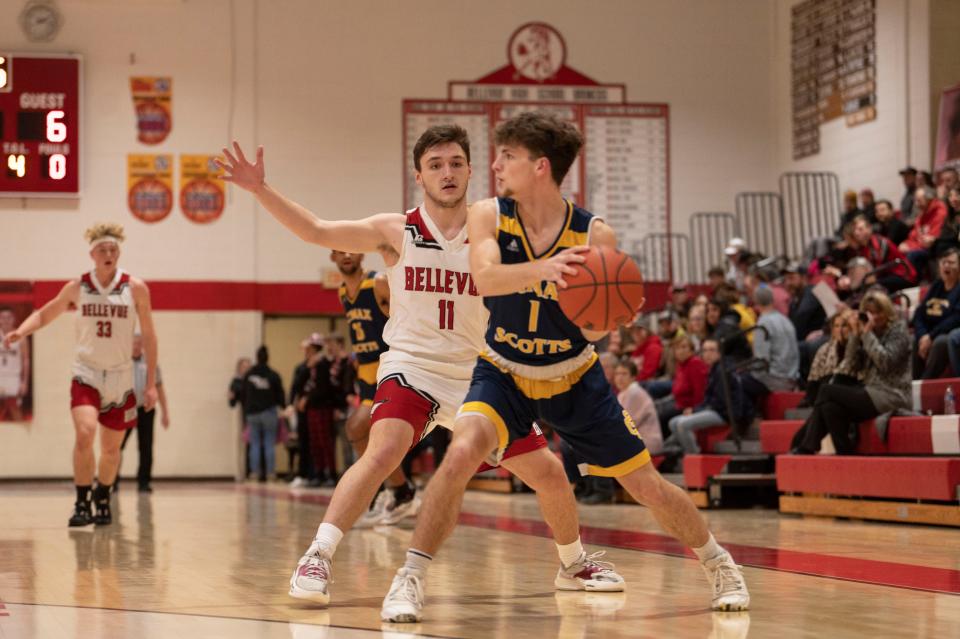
[(607, 290)]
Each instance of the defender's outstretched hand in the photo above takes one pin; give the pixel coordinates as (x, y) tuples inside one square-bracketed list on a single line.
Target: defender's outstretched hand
[(239, 170)]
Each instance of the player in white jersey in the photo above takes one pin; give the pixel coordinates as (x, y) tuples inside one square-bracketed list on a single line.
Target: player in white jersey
[(434, 333), (14, 371), (108, 302)]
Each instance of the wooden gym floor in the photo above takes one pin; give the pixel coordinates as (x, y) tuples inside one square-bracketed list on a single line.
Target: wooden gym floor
[(213, 560)]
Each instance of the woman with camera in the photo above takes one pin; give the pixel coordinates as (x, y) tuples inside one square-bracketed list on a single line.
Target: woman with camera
[(878, 353)]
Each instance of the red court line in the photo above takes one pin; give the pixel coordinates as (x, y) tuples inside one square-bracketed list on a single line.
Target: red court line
[(868, 571)]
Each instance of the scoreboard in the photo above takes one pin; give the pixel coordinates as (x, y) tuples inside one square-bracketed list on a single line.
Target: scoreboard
[(40, 98)]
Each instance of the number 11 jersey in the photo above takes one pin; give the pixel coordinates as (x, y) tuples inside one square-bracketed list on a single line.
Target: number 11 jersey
[(437, 318)]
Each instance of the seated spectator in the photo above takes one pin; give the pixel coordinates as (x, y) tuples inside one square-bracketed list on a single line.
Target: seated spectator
[(931, 214), (909, 177), (724, 324), (850, 211), (713, 410), (879, 349), (887, 224), (715, 277), (735, 249), (689, 382), (680, 301), (949, 180), (868, 205), (776, 345), (826, 362), (647, 351), (950, 233), (937, 315), (669, 329), (748, 318), (767, 276), (853, 283), (638, 403), (804, 309), (882, 254), (697, 326)]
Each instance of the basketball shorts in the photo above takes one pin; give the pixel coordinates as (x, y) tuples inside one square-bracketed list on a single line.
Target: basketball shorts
[(111, 392), (426, 400), (367, 382), (580, 406)]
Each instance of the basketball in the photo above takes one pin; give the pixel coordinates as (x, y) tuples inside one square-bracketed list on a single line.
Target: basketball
[(606, 292)]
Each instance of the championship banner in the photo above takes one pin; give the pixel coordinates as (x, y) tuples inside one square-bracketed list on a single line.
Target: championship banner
[(152, 102), (201, 188), (150, 186), (16, 389)]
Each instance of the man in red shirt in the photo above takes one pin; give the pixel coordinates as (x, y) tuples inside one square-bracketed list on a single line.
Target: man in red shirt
[(648, 350), (931, 215), (880, 251)]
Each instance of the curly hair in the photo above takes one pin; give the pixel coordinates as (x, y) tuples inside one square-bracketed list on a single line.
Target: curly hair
[(104, 229)]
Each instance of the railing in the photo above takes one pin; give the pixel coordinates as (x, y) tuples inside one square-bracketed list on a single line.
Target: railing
[(811, 208), (663, 257), (709, 234), (763, 224)]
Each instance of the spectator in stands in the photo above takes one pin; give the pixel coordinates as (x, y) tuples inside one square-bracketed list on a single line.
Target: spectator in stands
[(826, 362), (715, 277), (850, 210), (747, 317), (680, 301), (950, 233), (879, 348), (887, 224), (735, 250), (924, 181), (883, 256), (931, 214), (325, 394), (776, 345), (262, 398), (648, 350), (948, 180), (712, 411), (638, 403), (767, 276), (689, 382), (868, 204), (909, 176), (668, 329), (804, 310), (937, 315), (697, 326), (724, 325)]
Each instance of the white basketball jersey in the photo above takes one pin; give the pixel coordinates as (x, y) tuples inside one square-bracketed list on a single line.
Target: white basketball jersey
[(437, 319), (11, 368), (106, 319)]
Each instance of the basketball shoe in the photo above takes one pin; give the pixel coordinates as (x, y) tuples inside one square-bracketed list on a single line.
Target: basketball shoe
[(729, 589), (589, 573), (82, 515), (311, 578), (404, 602), (396, 512), (374, 515), (101, 502)]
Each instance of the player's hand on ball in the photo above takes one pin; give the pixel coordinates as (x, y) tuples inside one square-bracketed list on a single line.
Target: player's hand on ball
[(563, 264), (239, 169)]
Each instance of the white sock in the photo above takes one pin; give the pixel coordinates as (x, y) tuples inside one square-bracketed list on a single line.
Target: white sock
[(570, 553), (328, 538), (417, 561), (709, 550)]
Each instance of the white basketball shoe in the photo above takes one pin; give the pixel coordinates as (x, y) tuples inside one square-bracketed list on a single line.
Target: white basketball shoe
[(312, 576), (589, 573), (729, 588), (404, 602), (374, 516), (395, 512)]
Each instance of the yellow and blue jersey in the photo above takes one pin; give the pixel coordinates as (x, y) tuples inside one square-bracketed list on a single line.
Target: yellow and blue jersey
[(529, 327), (366, 322)]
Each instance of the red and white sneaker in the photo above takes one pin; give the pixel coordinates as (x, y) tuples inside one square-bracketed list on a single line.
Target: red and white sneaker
[(374, 515), (312, 577), (590, 574), (395, 513)]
